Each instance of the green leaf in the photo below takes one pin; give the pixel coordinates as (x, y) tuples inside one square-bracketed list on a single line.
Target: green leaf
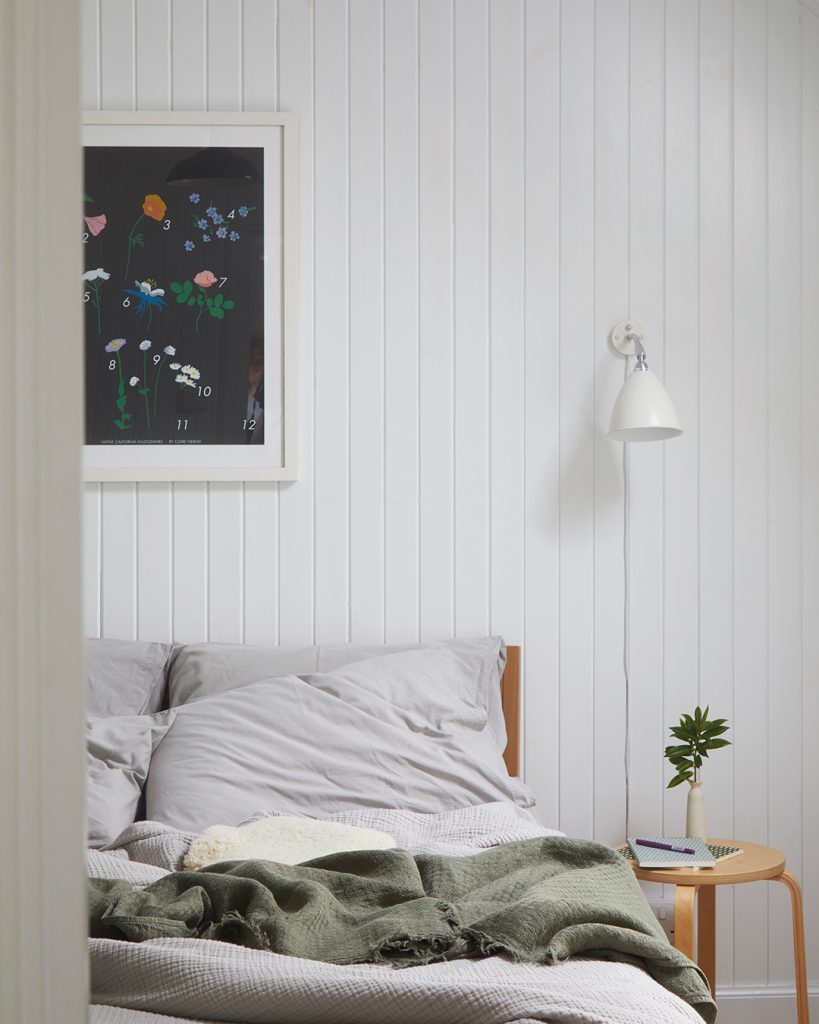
[(209, 302), (219, 299), (217, 313), (716, 744), (191, 301), (678, 779), (228, 304), (682, 749), (121, 403), (138, 240), (175, 287), (87, 198), (200, 300)]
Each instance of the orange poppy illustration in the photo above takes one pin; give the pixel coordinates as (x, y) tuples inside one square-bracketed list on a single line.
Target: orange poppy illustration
[(154, 206)]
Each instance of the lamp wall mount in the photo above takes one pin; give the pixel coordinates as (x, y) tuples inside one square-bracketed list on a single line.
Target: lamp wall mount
[(623, 334)]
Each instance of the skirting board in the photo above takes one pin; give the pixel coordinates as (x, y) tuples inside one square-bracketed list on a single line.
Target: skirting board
[(767, 1004)]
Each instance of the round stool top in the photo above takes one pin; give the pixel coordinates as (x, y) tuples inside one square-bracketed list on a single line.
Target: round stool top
[(755, 862)]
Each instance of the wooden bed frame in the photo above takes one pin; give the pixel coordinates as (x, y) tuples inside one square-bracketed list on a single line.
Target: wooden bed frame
[(510, 699)]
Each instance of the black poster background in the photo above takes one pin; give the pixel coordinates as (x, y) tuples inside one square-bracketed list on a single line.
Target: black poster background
[(117, 179)]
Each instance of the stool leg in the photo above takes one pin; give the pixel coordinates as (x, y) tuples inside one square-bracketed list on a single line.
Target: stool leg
[(802, 1012), (684, 919), (707, 933)]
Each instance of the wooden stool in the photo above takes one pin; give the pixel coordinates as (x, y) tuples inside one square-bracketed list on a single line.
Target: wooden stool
[(755, 863)]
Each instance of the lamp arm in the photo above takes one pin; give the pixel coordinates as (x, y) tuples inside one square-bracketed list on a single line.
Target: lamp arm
[(639, 351)]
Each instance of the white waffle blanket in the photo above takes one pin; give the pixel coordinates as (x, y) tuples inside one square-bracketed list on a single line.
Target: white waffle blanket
[(165, 981)]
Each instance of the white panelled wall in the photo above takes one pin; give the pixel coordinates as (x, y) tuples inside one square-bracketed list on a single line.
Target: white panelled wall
[(486, 186)]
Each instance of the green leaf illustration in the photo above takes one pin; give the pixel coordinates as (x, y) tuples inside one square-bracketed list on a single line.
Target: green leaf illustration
[(209, 302), (217, 313), (87, 198), (228, 304), (175, 287), (219, 299), (191, 301)]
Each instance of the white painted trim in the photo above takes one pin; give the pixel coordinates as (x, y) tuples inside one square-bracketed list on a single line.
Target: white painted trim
[(43, 972), (290, 213), (764, 1004)]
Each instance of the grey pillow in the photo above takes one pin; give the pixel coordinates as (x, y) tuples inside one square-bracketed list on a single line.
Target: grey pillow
[(118, 753), (403, 735), (201, 670), (125, 677)]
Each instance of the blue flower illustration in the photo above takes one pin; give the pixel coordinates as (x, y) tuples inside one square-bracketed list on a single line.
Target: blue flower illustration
[(211, 210), (202, 223), (150, 298), (221, 232), (205, 238), (217, 218), (234, 236), (194, 197), (189, 246), (243, 211)]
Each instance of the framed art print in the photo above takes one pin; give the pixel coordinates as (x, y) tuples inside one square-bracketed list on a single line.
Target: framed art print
[(189, 235)]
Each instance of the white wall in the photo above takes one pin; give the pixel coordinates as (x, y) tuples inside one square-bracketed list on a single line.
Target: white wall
[(485, 188)]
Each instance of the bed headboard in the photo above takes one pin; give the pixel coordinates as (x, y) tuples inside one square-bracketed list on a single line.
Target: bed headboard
[(510, 699)]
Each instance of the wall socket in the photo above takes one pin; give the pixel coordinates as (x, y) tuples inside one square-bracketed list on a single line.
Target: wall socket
[(664, 912)]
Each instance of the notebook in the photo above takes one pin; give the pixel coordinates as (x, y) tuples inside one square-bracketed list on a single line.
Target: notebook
[(651, 857)]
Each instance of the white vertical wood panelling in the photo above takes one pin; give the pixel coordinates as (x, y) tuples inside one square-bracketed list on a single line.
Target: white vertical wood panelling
[(541, 594), (435, 317), (297, 500), (485, 187), (750, 559), (611, 226), (332, 343), (471, 318), (506, 314), (784, 482), (578, 351), (716, 350), (366, 322), (810, 471), (401, 594), (646, 294)]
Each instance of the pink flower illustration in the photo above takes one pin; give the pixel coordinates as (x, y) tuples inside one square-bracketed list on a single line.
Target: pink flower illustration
[(205, 278), (96, 224)]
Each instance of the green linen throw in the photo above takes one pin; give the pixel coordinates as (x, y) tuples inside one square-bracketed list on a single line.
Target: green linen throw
[(539, 901)]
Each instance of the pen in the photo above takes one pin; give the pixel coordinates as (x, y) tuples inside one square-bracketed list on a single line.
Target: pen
[(664, 846)]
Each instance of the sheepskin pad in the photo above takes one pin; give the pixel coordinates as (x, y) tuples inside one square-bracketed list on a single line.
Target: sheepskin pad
[(282, 839)]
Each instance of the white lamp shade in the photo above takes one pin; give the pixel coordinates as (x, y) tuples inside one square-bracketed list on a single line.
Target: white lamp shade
[(643, 411)]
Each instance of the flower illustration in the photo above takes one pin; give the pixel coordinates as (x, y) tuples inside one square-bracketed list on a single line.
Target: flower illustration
[(234, 236), (189, 246), (217, 218), (191, 372), (149, 296), (205, 238), (194, 197), (243, 211), (95, 279), (134, 381), (182, 378), (175, 366), (202, 223), (169, 350), (211, 210), (154, 206), (221, 232), (96, 224), (122, 420), (216, 305)]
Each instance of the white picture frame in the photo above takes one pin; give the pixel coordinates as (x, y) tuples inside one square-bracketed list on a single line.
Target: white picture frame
[(126, 458)]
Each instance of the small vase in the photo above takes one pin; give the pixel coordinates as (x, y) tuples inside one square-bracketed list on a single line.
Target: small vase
[(695, 812)]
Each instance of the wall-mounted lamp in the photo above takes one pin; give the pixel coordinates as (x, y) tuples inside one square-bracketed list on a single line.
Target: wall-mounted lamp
[(643, 411)]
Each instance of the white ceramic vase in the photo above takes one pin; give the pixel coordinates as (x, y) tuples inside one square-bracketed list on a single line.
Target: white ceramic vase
[(695, 812)]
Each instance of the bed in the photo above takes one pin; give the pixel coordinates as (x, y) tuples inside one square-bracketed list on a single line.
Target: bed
[(170, 979)]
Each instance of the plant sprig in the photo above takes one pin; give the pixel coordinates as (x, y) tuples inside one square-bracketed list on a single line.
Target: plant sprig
[(698, 735)]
